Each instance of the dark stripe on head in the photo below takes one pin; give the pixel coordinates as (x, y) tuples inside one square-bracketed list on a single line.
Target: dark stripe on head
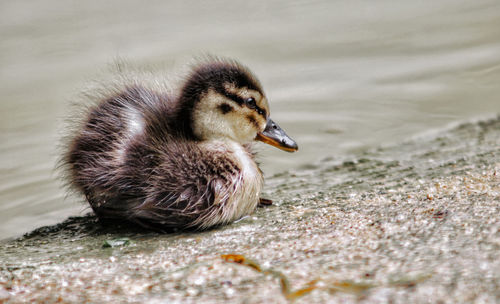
[(225, 108), (240, 101)]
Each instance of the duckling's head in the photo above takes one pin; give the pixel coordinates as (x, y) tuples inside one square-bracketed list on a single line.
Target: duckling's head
[(222, 99)]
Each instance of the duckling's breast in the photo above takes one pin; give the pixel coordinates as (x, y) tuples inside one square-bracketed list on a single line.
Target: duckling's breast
[(241, 195)]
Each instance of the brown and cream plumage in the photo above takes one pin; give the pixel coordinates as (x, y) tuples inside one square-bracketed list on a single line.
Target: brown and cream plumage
[(179, 160)]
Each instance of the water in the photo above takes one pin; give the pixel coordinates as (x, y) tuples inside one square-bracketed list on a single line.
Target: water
[(341, 76)]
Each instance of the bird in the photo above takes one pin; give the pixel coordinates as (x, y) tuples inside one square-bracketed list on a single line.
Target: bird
[(175, 160)]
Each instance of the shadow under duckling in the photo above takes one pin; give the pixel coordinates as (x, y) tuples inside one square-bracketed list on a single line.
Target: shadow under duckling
[(176, 161)]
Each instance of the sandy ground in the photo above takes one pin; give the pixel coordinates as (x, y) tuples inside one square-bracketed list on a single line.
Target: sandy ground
[(417, 222)]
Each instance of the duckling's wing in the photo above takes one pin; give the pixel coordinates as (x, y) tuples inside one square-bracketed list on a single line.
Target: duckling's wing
[(179, 185)]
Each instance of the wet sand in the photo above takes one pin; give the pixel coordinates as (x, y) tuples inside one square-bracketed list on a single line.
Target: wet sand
[(414, 222)]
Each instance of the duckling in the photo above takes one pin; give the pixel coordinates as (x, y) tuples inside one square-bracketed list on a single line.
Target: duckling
[(179, 160)]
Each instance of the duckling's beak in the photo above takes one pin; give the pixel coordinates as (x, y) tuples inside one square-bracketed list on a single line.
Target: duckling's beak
[(275, 136)]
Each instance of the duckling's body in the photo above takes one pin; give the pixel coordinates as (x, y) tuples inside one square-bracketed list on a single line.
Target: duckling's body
[(164, 162)]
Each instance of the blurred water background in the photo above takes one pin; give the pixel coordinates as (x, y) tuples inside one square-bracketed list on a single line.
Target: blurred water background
[(341, 76)]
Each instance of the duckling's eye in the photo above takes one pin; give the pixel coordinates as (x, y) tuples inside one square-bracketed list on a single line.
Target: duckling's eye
[(250, 102)]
